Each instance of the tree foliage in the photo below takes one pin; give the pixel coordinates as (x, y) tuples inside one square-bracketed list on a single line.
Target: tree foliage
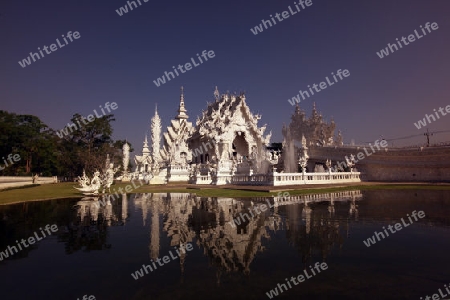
[(44, 152)]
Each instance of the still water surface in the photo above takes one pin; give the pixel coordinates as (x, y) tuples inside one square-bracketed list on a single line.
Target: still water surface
[(97, 247)]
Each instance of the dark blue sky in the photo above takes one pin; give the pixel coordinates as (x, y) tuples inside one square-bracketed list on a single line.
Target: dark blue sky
[(118, 57)]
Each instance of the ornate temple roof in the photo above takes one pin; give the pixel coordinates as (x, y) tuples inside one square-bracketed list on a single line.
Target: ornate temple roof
[(229, 112), (176, 134), (315, 129)]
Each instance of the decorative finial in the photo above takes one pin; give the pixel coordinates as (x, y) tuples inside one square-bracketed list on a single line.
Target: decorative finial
[(145, 149), (182, 110), (216, 94), (182, 97)]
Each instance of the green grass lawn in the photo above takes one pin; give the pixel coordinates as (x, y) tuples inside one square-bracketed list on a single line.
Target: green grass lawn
[(66, 190)]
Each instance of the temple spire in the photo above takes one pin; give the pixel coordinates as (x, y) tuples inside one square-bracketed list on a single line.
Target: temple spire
[(156, 135), (216, 94), (145, 149), (182, 110), (314, 114)]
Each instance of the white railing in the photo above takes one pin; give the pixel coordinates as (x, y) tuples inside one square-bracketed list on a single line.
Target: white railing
[(179, 168), (203, 179), (280, 179), (334, 196), (257, 179)]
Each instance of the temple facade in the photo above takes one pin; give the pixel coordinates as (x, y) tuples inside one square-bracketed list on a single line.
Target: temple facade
[(228, 146), (225, 141), (175, 154), (143, 162)]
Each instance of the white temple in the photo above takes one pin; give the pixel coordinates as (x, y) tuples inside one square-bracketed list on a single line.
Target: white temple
[(227, 146), (225, 141)]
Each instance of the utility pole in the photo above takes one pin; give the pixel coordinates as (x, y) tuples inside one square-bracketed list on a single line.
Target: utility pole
[(428, 134)]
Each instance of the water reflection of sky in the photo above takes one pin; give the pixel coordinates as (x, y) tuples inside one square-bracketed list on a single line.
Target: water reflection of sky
[(100, 243)]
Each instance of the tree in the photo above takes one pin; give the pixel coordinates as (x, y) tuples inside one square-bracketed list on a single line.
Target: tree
[(48, 152), (87, 146), (29, 137)]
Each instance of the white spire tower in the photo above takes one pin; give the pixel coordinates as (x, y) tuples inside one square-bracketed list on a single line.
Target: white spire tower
[(126, 158), (156, 135), (182, 110)]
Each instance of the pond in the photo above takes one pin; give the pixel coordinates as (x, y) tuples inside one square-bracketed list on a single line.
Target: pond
[(180, 246)]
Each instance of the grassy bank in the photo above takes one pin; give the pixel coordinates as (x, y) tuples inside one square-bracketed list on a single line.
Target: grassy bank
[(66, 190)]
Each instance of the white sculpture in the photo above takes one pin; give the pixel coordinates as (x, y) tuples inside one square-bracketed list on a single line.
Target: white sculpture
[(328, 164), (125, 161), (92, 187), (84, 181), (108, 177), (350, 162)]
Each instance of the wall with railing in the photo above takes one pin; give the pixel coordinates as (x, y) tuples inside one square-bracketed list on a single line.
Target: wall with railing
[(280, 179), (178, 173), (17, 181)]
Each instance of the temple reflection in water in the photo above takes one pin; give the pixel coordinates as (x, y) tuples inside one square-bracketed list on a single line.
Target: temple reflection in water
[(102, 241), (310, 223)]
